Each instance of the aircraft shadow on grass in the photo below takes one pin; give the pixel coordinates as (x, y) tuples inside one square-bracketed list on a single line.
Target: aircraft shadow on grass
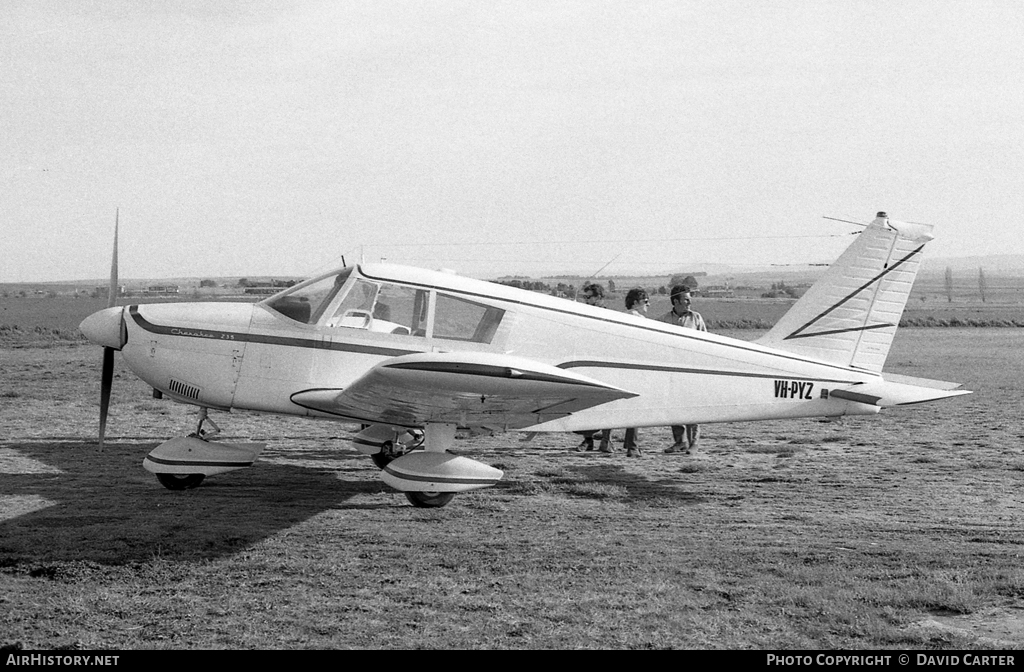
[(105, 508), (639, 488), (102, 507), (614, 482)]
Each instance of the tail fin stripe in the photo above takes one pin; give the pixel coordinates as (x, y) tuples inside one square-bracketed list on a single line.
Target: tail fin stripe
[(883, 325), (799, 332)]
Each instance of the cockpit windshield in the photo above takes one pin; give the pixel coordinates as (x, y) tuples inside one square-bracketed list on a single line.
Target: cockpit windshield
[(307, 301)]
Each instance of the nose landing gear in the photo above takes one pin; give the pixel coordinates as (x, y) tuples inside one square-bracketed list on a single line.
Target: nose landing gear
[(185, 462)]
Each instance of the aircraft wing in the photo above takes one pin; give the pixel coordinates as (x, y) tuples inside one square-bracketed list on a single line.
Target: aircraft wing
[(463, 388)]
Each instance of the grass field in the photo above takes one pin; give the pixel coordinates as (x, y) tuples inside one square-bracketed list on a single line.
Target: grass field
[(897, 531)]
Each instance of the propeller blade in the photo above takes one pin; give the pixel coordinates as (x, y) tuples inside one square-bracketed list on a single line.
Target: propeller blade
[(112, 294), (106, 381), (107, 372)]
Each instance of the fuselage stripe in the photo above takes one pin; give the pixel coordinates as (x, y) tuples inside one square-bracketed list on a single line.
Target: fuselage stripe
[(704, 372), (241, 337)]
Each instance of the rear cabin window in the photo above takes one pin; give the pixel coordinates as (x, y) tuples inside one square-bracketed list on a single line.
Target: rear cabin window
[(461, 320)]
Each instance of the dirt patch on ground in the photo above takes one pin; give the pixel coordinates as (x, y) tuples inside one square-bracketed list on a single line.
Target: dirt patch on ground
[(998, 626)]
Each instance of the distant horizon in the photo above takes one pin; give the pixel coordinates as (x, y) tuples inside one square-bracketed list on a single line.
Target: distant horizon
[(1015, 266)]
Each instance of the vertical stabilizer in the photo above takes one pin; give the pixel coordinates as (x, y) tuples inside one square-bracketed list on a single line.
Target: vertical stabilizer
[(850, 315)]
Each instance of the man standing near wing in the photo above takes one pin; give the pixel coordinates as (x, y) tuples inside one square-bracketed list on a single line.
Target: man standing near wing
[(593, 295), (685, 436)]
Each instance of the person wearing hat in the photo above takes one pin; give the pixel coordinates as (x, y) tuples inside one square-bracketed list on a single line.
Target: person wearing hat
[(685, 436)]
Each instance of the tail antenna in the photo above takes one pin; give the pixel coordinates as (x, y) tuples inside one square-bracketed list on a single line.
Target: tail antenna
[(594, 275)]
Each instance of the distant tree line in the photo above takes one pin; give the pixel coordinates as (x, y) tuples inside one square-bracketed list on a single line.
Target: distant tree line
[(531, 285), (780, 290), (246, 282), (564, 289)]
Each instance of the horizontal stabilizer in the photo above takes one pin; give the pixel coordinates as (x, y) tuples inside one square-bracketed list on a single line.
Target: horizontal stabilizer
[(898, 391)]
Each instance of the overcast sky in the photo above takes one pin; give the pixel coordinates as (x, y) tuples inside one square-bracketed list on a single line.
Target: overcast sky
[(270, 138)]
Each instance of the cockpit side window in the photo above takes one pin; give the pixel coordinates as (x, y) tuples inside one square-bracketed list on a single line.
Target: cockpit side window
[(307, 301), (356, 309), (383, 308)]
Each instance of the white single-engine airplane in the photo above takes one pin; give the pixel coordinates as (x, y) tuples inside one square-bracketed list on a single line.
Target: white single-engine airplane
[(414, 354)]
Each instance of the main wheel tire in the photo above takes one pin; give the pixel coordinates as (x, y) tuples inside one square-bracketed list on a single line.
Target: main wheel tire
[(429, 500), (180, 481)]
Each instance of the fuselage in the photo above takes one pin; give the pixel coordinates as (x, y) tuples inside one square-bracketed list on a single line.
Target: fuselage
[(329, 331)]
